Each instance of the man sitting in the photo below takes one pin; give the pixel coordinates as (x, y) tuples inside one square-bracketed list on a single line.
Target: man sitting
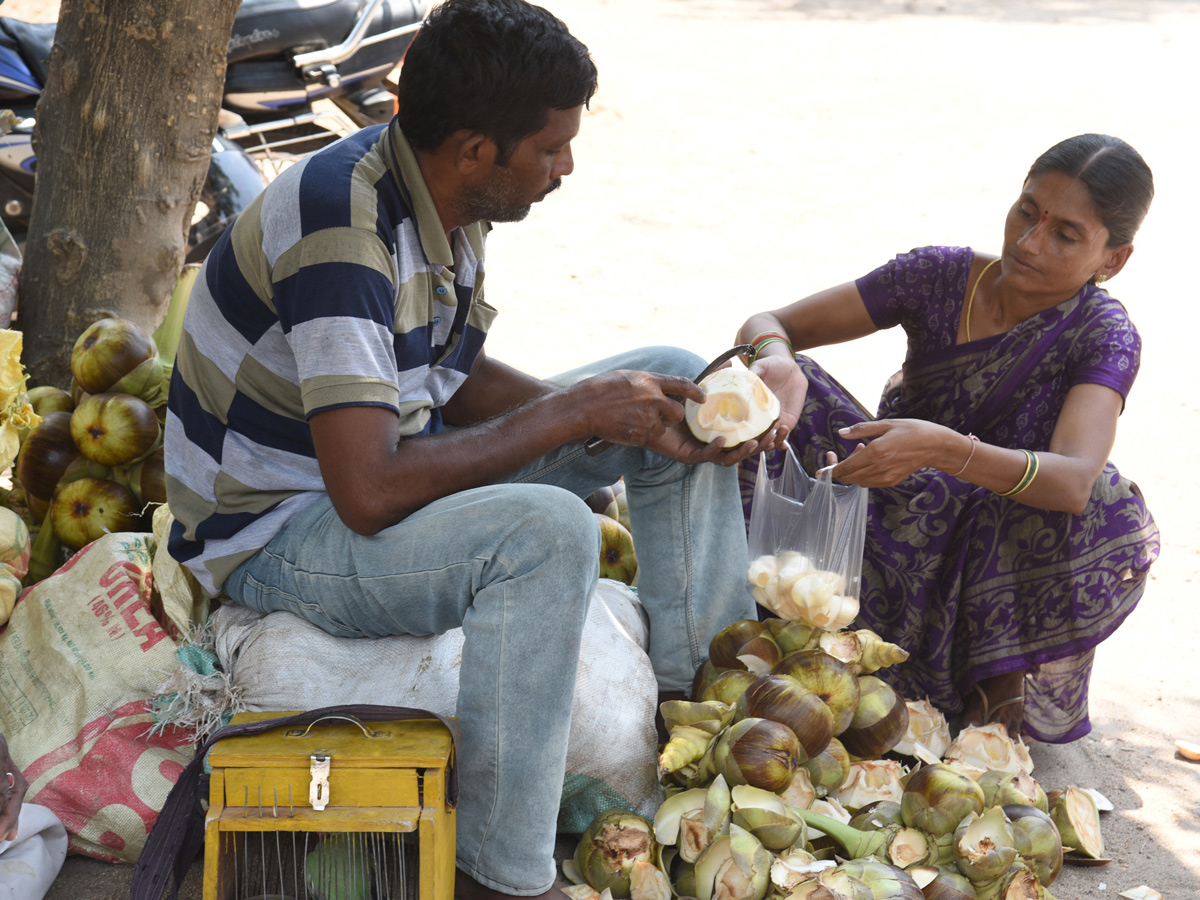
[(340, 446)]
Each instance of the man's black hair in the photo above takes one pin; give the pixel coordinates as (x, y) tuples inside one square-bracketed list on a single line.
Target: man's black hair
[(496, 67)]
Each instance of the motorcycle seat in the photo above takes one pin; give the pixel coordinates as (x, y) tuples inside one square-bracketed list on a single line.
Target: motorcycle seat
[(266, 28), (33, 41)]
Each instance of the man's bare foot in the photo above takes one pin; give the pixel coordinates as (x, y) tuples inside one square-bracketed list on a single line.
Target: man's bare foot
[(1000, 698), (467, 888)]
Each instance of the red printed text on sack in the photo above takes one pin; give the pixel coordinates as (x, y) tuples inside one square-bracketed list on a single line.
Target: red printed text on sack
[(110, 773), (126, 602)]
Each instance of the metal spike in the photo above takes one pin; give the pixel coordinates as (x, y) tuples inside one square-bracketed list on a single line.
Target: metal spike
[(279, 860)]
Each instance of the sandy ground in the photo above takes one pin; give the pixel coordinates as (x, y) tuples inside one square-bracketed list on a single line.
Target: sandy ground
[(742, 153)]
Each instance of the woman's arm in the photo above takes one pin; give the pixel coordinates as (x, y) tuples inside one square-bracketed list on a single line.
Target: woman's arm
[(831, 316), (1082, 441), (828, 317)]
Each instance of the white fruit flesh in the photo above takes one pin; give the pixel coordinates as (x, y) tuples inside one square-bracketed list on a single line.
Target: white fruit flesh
[(738, 407)]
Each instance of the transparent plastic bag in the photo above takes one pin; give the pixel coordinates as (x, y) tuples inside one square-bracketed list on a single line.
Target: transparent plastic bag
[(806, 544)]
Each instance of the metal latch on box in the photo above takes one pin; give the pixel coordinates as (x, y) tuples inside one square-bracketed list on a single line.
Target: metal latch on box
[(318, 788)]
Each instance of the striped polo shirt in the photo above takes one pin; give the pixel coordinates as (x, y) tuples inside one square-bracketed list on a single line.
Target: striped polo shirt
[(336, 287)]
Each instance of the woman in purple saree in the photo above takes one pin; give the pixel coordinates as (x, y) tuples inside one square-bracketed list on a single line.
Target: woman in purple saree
[(1002, 546)]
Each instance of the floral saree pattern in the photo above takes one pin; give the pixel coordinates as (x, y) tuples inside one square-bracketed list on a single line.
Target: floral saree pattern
[(970, 583)]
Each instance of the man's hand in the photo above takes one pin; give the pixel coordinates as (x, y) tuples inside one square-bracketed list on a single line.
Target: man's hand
[(631, 407), (643, 409), (11, 795), (375, 478), (680, 444)]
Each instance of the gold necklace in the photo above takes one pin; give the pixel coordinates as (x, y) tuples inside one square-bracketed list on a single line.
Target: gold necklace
[(971, 298)]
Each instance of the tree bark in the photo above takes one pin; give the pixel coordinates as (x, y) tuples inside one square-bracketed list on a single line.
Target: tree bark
[(123, 138)]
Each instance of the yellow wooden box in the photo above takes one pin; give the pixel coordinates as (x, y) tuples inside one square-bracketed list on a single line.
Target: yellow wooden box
[(383, 802)]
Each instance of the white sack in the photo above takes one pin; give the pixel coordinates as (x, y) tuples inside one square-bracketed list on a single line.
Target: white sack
[(29, 865), (281, 662)]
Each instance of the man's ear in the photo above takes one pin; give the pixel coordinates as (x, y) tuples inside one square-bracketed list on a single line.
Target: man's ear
[(474, 153)]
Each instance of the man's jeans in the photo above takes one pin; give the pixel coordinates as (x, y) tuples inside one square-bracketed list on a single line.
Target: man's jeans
[(515, 566)]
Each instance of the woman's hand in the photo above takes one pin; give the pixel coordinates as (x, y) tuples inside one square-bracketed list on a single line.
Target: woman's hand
[(783, 377), (890, 450), (11, 795)]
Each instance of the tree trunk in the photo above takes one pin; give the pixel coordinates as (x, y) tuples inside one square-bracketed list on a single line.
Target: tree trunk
[(123, 138)]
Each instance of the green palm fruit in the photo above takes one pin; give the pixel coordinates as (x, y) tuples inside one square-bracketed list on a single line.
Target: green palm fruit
[(894, 844), (745, 644), (942, 884), (984, 846), (880, 720), (876, 815), (783, 699), (1018, 882), (937, 797), (1078, 821), (829, 769), (767, 817), (610, 845), (877, 653), (686, 744), (1001, 788), (793, 635), (710, 715), (879, 880), (339, 868), (1038, 840), (734, 867), (758, 752)]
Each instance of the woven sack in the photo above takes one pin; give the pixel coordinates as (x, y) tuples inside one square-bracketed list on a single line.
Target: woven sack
[(281, 662), (79, 660)]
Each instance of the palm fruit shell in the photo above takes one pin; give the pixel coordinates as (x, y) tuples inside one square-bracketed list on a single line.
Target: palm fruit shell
[(937, 797), (1038, 840), (610, 845), (828, 678), (1078, 821), (880, 719), (984, 846), (783, 699), (760, 752), (829, 769)]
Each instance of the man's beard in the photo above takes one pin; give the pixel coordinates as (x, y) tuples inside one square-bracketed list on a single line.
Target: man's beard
[(496, 199)]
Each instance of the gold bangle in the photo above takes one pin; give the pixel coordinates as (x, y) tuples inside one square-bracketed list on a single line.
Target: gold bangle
[(1031, 470)]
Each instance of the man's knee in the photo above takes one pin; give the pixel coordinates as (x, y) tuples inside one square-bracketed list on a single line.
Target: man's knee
[(554, 523), (673, 361)]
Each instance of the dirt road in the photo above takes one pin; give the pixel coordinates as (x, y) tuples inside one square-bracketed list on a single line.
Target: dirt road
[(741, 153)]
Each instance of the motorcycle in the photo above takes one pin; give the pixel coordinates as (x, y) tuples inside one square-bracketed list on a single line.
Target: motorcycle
[(300, 74)]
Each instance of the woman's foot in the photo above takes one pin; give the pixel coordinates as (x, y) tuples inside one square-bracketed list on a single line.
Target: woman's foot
[(1001, 699), (467, 888)]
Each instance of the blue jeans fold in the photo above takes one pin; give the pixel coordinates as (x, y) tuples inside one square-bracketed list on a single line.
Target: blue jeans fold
[(515, 565)]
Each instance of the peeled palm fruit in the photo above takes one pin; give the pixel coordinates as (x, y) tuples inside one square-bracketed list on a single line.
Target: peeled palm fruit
[(738, 407), (15, 548)]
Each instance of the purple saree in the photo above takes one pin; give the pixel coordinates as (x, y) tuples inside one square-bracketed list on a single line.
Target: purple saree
[(970, 583)]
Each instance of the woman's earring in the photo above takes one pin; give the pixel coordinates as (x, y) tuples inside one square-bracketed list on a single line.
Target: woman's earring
[(1100, 279)]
